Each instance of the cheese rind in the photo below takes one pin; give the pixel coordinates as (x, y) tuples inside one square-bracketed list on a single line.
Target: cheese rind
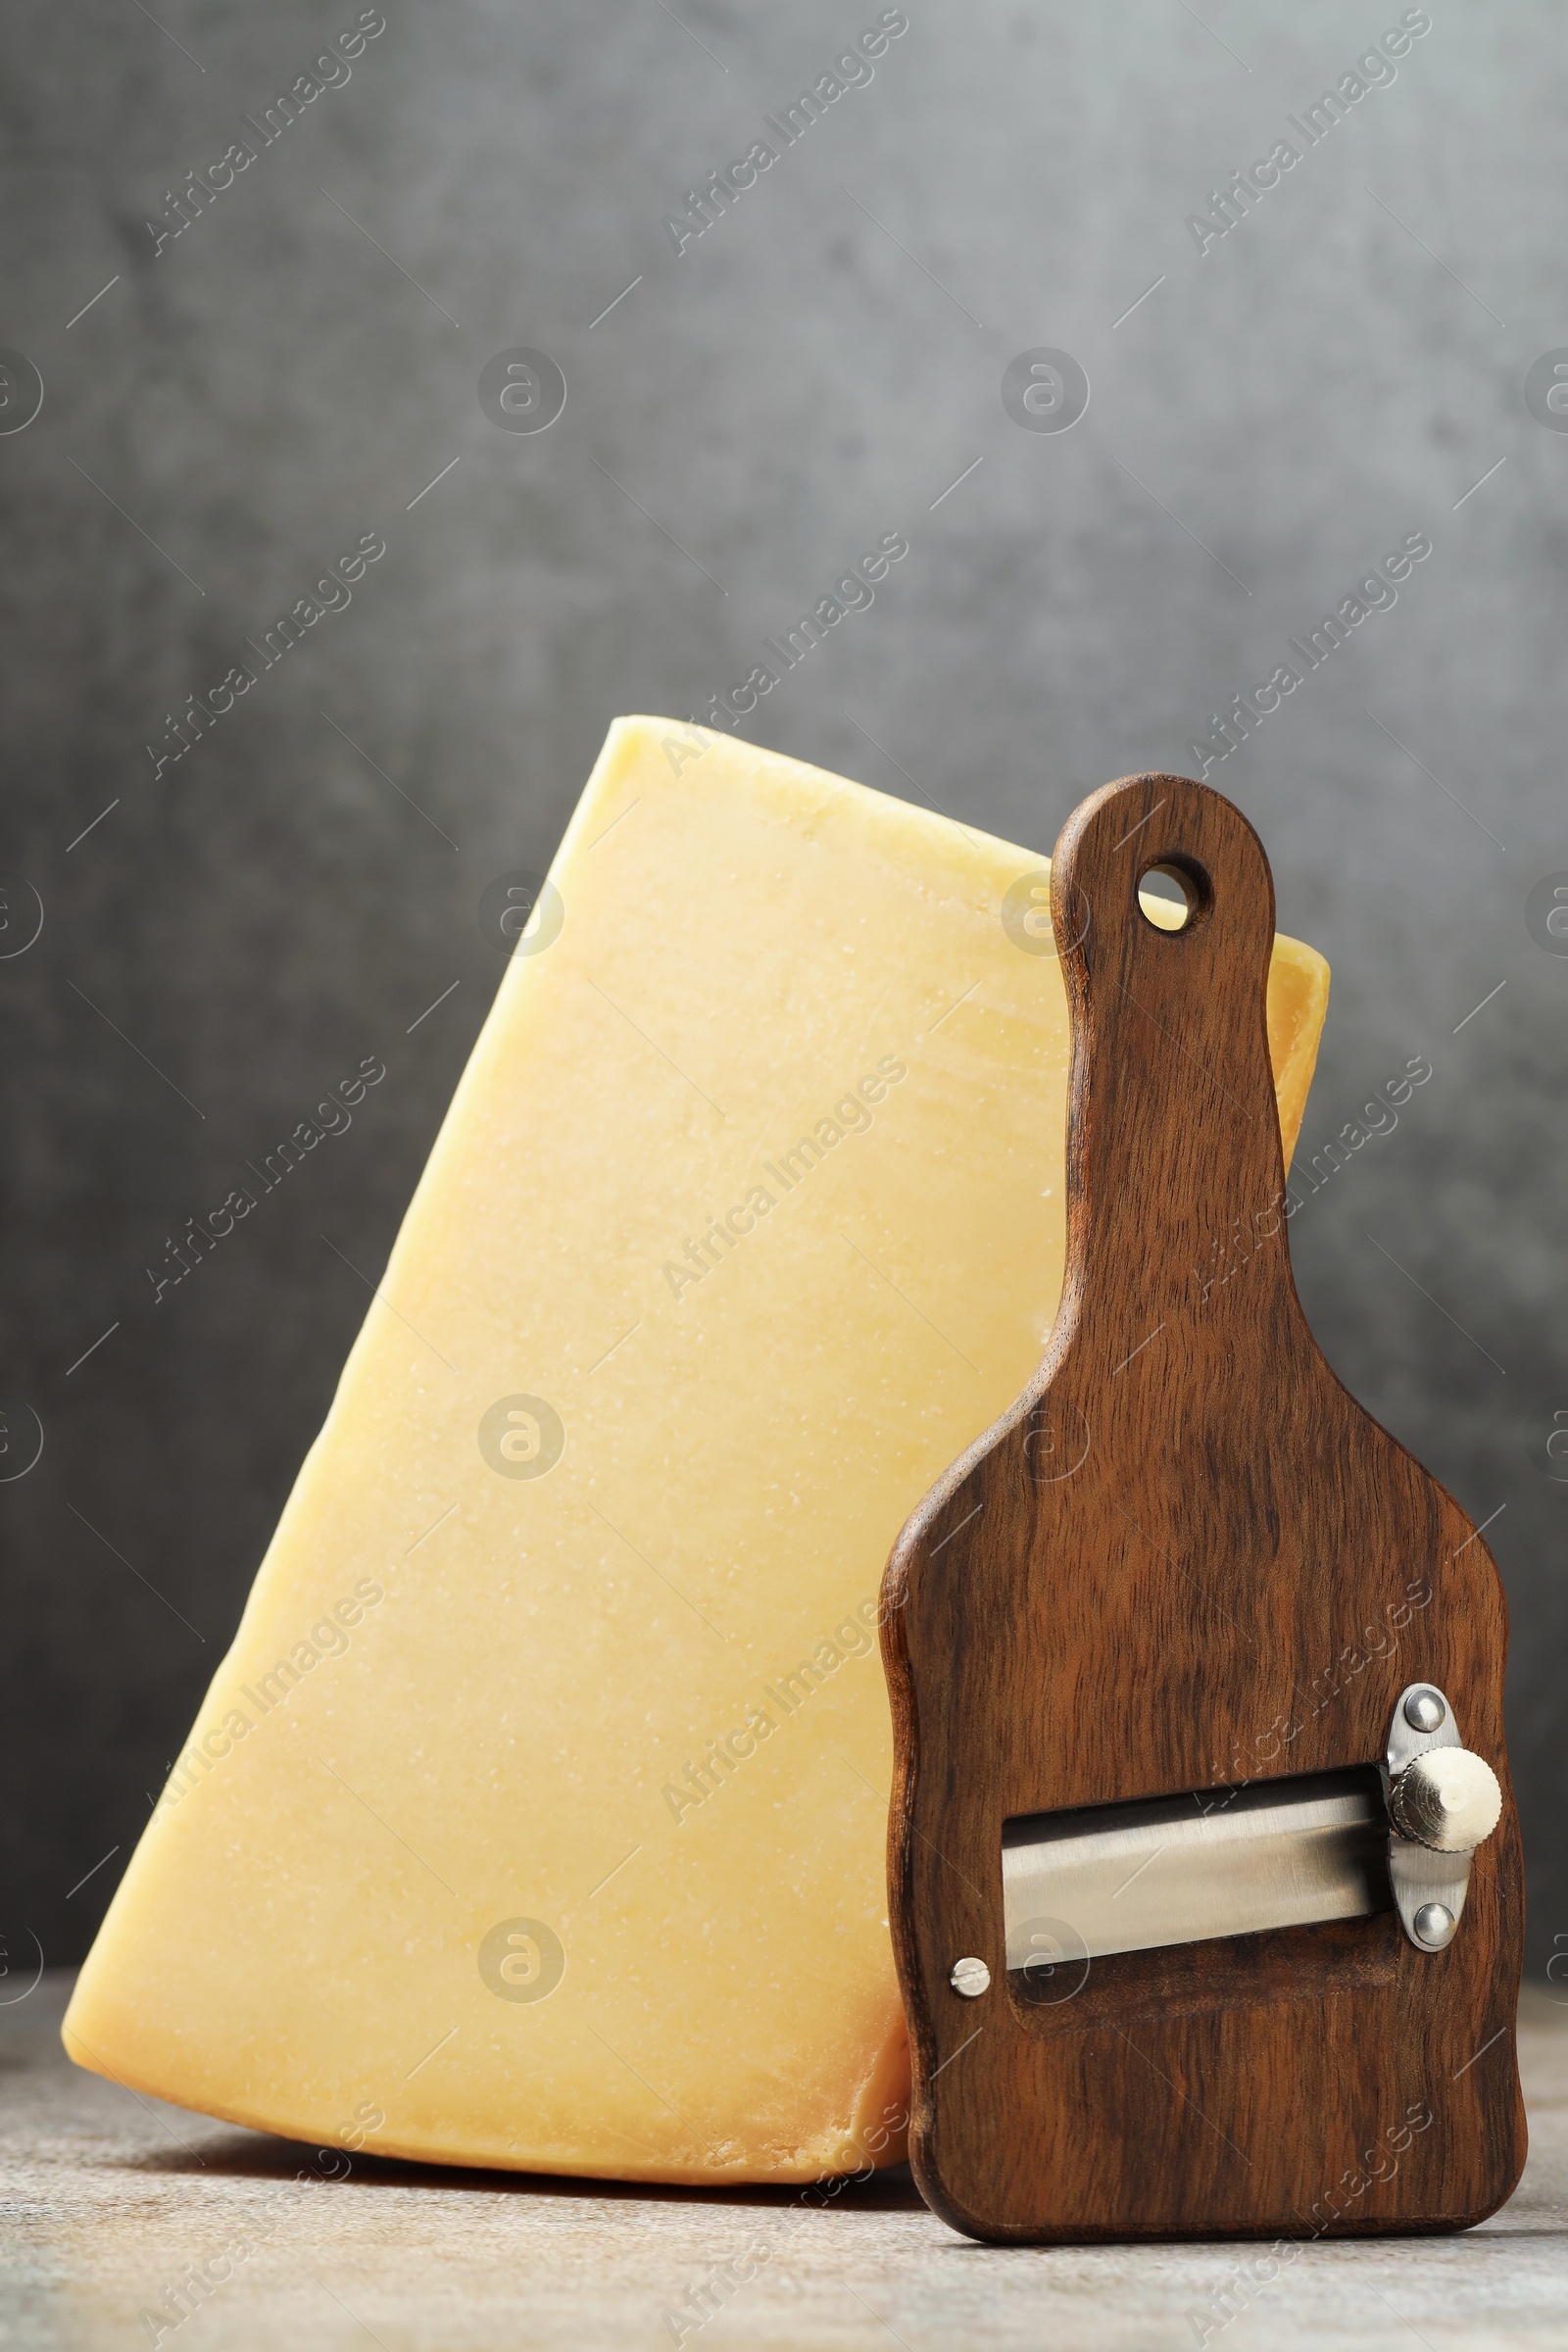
[(536, 1815)]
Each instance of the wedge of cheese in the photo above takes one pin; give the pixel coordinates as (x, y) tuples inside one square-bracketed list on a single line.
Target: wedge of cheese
[(536, 1816)]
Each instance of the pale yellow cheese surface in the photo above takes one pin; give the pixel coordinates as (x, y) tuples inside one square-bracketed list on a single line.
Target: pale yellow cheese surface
[(434, 1876)]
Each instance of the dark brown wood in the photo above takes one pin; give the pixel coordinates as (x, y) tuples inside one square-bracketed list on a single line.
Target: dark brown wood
[(1173, 1566)]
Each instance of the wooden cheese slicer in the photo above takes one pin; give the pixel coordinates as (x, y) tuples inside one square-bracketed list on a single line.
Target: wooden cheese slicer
[(1205, 1871)]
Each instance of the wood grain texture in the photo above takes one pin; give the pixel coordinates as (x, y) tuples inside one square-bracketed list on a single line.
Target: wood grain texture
[(1167, 1568)]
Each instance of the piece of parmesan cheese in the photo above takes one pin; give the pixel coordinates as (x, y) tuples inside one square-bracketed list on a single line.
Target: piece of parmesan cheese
[(536, 1816)]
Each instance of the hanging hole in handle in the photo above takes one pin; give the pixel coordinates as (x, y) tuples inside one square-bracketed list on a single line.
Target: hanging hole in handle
[(1175, 894)]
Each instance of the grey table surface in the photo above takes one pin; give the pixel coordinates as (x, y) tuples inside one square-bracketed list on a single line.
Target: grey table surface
[(107, 2199)]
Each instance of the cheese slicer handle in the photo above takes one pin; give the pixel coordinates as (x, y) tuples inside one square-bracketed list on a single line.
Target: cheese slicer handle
[(1173, 1128)]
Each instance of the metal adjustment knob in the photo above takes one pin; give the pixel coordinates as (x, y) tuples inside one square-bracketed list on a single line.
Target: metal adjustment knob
[(1448, 1799)]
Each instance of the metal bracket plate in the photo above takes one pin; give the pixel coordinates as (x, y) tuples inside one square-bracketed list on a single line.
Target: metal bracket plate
[(1429, 1888)]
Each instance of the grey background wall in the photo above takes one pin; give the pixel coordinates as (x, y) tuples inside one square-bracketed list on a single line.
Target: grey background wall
[(225, 936)]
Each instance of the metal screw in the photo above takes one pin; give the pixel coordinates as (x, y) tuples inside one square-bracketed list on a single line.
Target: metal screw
[(1434, 1924), (971, 1978), (1425, 1710)]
